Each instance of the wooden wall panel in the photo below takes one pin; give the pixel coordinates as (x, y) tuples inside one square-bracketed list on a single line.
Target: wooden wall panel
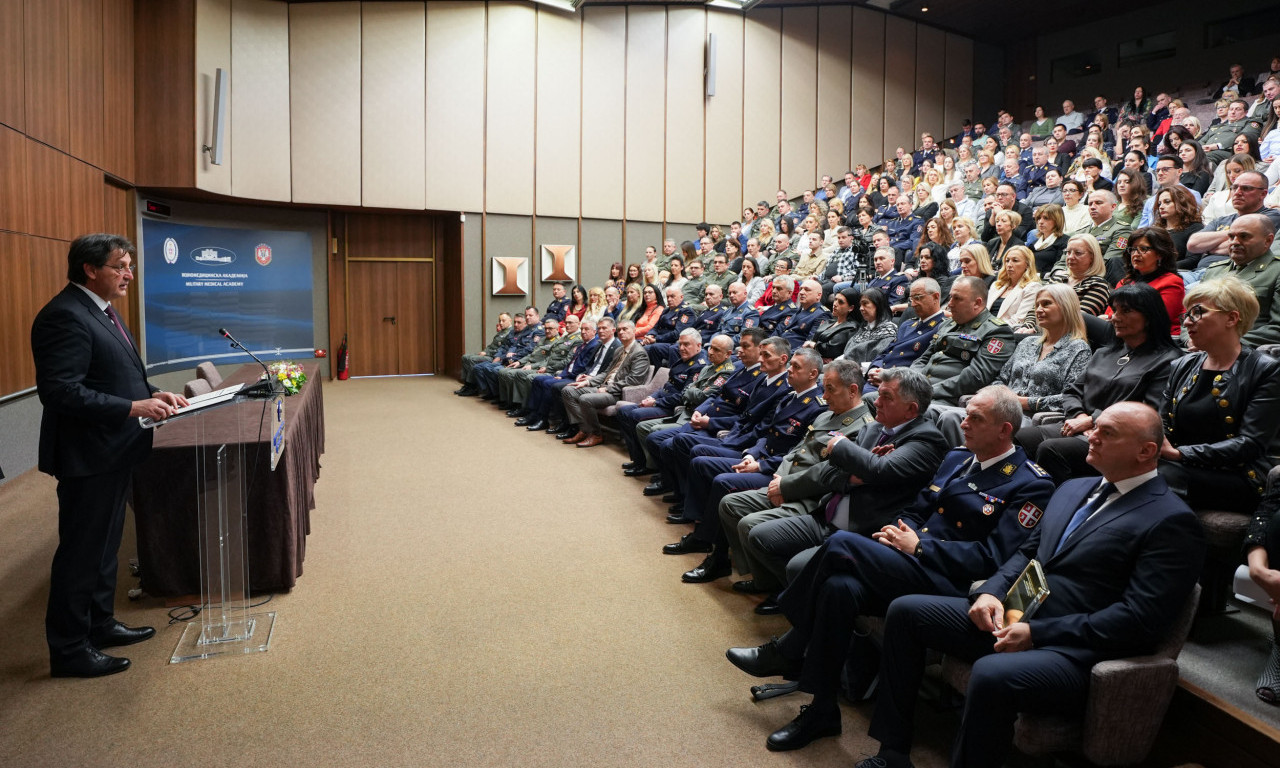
[(85, 80), (164, 97), (724, 121), (117, 210), (799, 98), (559, 114), (899, 85), (213, 52), (87, 203), (48, 191), (13, 182), (12, 66), (16, 299), (389, 236), (455, 102), (646, 111), (117, 89), (685, 118), (931, 63), (867, 126), (604, 114), (958, 99), (762, 105), (46, 57), (511, 92), (260, 99), (324, 102), (835, 90)]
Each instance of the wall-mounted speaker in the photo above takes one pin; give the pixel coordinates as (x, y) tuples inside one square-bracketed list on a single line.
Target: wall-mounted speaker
[(220, 87), (709, 68)]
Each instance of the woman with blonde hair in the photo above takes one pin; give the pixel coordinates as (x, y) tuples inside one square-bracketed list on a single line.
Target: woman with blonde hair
[(976, 262), (1013, 294), (963, 232), (1084, 272), (634, 305), (596, 305), (1049, 241)]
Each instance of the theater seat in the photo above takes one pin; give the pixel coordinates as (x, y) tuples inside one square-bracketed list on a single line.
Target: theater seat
[(1127, 702), (196, 387)]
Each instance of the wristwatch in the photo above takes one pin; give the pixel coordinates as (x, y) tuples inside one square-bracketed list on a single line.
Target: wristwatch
[(919, 549)]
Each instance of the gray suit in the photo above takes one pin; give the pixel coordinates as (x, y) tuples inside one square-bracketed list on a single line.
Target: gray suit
[(582, 404)]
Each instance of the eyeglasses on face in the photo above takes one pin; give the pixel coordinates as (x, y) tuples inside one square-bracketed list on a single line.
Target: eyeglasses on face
[(1195, 313), (121, 268)]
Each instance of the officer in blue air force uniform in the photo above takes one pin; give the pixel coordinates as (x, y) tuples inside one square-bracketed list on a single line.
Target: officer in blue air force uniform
[(709, 320), (740, 315), (800, 325), (691, 359)]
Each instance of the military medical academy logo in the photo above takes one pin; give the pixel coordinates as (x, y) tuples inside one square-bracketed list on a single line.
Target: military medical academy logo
[(214, 255), (262, 254)]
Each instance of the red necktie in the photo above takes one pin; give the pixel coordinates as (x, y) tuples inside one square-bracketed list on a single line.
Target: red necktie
[(111, 313)]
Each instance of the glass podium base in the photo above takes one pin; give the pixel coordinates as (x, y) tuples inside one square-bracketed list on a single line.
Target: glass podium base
[(251, 634)]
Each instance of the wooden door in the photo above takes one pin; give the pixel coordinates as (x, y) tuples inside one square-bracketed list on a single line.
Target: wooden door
[(373, 299)]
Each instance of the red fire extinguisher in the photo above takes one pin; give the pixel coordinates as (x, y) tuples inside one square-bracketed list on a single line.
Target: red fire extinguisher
[(343, 373)]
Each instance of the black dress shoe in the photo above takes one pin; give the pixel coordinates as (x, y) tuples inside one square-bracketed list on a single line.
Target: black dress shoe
[(631, 465), (748, 587), (811, 724), (710, 569), (467, 391), (672, 498), (514, 412), (769, 607), (687, 545), (552, 428), (637, 471), (537, 425), (679, 519), (567, 433), (523, 421), (655, 488), (764, 661), (88, 663), (118, 634)]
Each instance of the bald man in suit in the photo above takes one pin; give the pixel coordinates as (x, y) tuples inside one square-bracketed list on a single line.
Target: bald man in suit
[(94, 388)]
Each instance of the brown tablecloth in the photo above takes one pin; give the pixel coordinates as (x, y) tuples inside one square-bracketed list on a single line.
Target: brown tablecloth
[(279, 502)]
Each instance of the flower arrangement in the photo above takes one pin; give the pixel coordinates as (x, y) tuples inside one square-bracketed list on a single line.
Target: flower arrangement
[(290, 375)]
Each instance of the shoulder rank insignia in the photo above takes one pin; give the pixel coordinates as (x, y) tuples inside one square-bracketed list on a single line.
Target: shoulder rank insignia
[(805, 401), (934, 488), (1029, 515), (994, 346), (755, 373), (1037, 469), (1008, 469)]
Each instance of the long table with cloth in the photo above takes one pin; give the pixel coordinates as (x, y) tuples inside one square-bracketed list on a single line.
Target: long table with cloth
[(279, 502)]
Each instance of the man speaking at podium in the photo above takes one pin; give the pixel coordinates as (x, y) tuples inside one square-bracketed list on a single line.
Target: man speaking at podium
[(94, 388)]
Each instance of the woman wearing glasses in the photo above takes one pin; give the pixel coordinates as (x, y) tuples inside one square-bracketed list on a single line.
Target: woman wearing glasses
[(1153, 260), (1222, 403)]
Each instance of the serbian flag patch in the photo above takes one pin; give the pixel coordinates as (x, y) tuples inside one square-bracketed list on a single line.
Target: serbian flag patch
[(994, 346), (1029, 515)]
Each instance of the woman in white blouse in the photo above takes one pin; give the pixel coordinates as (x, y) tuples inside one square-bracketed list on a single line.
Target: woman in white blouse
[(1013, 295)]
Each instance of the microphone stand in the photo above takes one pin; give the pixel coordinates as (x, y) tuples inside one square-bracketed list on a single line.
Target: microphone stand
[(263, 389)]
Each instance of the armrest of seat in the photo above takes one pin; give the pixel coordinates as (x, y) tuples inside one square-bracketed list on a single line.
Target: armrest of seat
[(1127, 702), (1048, 417)]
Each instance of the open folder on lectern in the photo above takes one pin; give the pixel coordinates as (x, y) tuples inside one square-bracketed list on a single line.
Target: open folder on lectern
[(194, 405)]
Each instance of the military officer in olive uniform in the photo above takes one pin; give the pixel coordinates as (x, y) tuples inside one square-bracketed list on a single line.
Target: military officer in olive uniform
[(695, 283), (1112, 234), (704, 386), (969, 350), (711, 478), (1219, 139), (526, 333), (548, 357), (1249, 242), (487, 355), (720, 274)]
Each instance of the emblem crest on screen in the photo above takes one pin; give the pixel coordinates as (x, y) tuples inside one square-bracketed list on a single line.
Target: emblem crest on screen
[(170, 251), (262, 254), (213, 255)]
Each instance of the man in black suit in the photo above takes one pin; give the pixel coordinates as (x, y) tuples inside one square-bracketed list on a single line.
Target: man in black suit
[(891, 459), (94, 389), (1121, 555)]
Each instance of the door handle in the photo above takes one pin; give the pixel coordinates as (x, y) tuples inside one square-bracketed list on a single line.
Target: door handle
[(391, 320)]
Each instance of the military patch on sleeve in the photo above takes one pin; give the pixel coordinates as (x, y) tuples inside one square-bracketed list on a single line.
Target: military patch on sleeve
[(684, 318), (994, 346), (719, 380), (899, 291), (1121, 242), (1029, 515), (750, 322), (1037, 469)]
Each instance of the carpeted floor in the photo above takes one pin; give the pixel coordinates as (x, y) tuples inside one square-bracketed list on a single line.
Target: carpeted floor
[(473, 595)]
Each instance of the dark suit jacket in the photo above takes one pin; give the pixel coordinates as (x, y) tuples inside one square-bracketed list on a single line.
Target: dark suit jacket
[(889, 483), (1122, 578), (87, 376)]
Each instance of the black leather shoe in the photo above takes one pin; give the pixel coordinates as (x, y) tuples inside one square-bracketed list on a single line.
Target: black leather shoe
[(748, 587), (764, 661), (567, 432), (88, 663), (552, 428), (639, 471), (515, 412), (118, 634), (769, 607), (672, 498), (631, 465), (523, 421), (655, 488), (710, 569), (537, 426), (680, 519), (467, 392), (687, 545), (811, 724)]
